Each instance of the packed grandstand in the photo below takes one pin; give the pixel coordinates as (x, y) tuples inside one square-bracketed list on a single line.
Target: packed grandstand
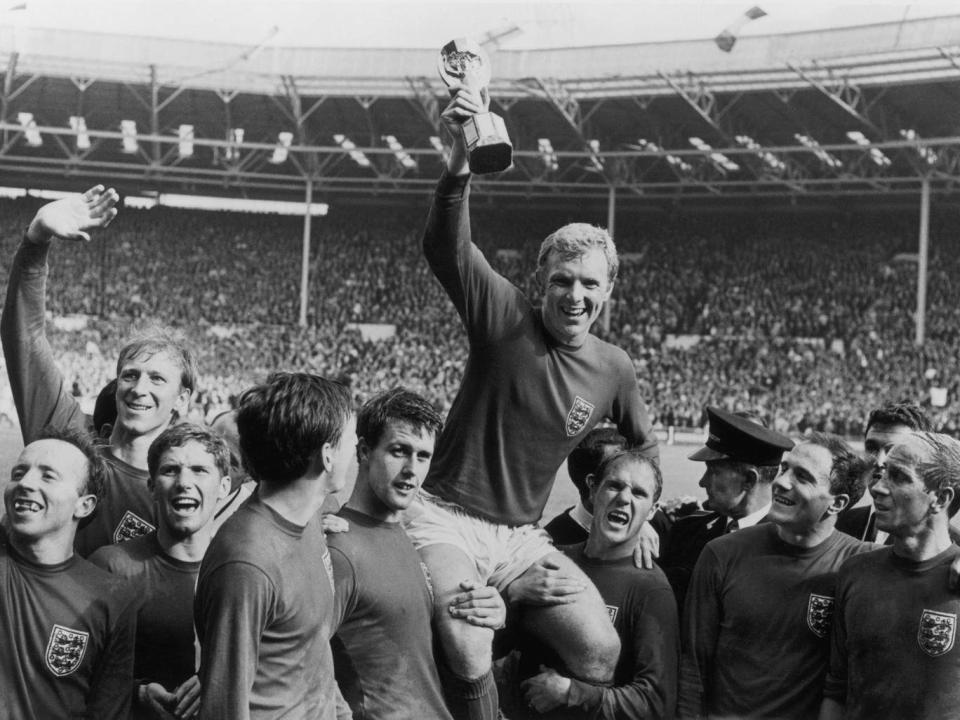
[(805, 322), (803, 313)]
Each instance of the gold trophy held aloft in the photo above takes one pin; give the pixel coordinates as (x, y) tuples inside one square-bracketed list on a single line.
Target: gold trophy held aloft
[(464, 62)]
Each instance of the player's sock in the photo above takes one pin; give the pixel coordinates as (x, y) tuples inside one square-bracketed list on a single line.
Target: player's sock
[(474, 699)]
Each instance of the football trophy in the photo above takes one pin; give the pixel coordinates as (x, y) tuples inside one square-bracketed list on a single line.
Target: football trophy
[(464, 62)]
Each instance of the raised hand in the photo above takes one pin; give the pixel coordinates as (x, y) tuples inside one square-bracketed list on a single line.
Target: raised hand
[(72, 217)]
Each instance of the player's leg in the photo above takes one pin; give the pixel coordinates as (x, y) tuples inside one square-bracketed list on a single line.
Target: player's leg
[(580, 632), (467, 649)]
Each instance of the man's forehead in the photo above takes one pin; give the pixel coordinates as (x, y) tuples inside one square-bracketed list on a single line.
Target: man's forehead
[(813, 458), (191, 450), (888, 434), (629, 470), (403, 429), (591, 258), (152, 358), (908, 451), (51, 452)]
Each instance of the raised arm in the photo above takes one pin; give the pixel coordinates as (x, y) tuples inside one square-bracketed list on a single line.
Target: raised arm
[(39, 389), (485, 300)]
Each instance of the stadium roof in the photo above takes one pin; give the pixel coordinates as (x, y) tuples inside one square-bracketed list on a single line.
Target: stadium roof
[(876, 104)]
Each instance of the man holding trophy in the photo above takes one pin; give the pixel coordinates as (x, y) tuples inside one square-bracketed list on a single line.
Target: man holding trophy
[(536, 381)]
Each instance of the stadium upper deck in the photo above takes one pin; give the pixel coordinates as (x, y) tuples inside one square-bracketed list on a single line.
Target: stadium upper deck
[(780, 109)]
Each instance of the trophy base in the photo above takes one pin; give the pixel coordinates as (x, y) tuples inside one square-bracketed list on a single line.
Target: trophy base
[(488, 145)]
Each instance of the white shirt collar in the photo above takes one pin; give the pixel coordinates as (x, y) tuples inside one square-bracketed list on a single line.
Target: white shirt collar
[(581, 516), (754, 517)]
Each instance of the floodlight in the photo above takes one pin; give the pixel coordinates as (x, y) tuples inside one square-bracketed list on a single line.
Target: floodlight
[(721, 161), (282, 150), (769, 158), (347, 144), (403, 157), (675, 161), (876, 154), (128, 129), (826, 158), (547, 153), (29, 126), (594, 146), (79, 126), (235, 138), (928, 154), (185, 146)]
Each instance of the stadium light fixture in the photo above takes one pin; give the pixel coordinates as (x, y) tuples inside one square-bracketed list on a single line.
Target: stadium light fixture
[(826, 158), (547, 154), (185, 146), (876, 154), (595, 160), (29, 126), (771, 160), (79, 125), (235, 138), (403, 157), (282, 150), (675, 161), (347, 144), (721, 161), (926, 153), (128, 130)]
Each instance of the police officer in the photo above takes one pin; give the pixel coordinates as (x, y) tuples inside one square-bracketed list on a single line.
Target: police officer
[(741, 457)]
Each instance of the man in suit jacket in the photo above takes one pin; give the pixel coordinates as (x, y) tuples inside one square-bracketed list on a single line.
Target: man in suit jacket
[(742, 457)]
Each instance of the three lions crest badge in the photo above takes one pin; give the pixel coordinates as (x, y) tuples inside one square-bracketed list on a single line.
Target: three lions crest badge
[(937, 633), (578, 416), (65, 650)]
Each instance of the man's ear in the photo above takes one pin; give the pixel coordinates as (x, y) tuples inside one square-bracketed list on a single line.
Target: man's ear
[(182, 404), (750, 480), (84, 506), (224, 488), (838, 504), (325, 456), (363, 450), (609, 292), (942, 499), (593, 484)]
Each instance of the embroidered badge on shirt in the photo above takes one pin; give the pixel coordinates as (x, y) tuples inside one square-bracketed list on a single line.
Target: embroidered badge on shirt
[(819, 614), (65, 650), (131, 526), (937, 632), (612, 611), (578, 416)]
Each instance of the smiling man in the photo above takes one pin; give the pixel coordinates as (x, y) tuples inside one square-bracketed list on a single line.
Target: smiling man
[(894, 651), (66, 627), (640, 602), (756, 624), (536, 381), (383, 648), (189, 468), (156, 374)]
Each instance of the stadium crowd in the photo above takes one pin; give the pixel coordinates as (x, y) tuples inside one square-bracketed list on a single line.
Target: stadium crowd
[(805, 322)]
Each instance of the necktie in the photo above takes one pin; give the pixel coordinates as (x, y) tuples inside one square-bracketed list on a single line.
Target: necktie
[(732, 526)]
